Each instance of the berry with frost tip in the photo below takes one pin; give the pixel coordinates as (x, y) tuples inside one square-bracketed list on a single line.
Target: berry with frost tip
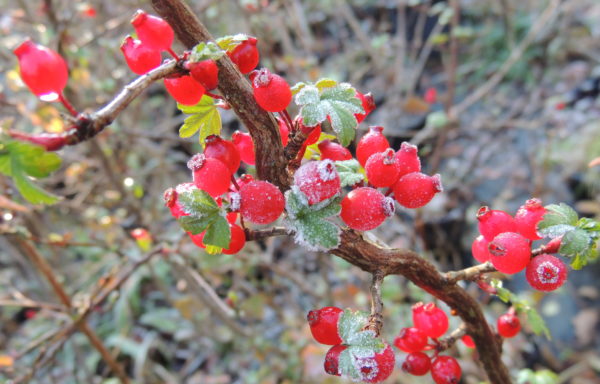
[(245, 146), (184, 89), (332, 360), (492, 222), (324, 325), (377, 368), (172, 201), (205, 72), (510, 252), (446, 370), (43, 70), (416, 364), (407, 159), (508, 325), (368, 104), (527, 218), (546, 273), (382, 169), (140, 59), (366, 208), (210, 175), (479, 249), (411, 340), (223, 150), (318, 180), (416, 189), (372, 142), (153, 31), (261, 202), (333, 151), (430, 319), (245, 55), (271, 91)]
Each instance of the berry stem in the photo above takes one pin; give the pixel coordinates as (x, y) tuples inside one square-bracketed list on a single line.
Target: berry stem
[(389, 191), (234, 182), (288, 119), (172, 53), (67, 105), (214, 96)]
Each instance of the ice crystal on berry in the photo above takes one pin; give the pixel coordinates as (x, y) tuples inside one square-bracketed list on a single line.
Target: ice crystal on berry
[(196, 162), (547, 272)]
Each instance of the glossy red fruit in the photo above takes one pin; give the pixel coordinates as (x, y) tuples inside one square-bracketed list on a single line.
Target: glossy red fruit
[(333, 151), (245, 55), (332, 360), (210, 175), (171, 199), (479, 249), (205, 72), (366, 208), (510, 252), (508, 325), (430, 319), (372, 142), (446, 370), (377, 368), (223, 150), (368, 104), (261, 202), (43, 71), (411, 340), (153, 31), (416, 364), (527, 218), (468, 341), (493, 222), (198, 239), (407, 159), (184, 89), (417, 189), (546, 273), (324, 325), (271, 91), (238, 240), (245, 146), (284, 131), (318, 180), (140, 59), (382, 169)]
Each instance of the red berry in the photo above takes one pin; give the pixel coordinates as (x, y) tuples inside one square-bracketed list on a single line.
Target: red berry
[(244, 179), (479, 249), (261, 202), (312, 133), (324, 325), (153, 31), (417, 364), (546, 273), (445, 370), (318, 180), (332, 360), (527, 218), (510, 252), (372, 142), (553, 246), (377, 368), (411, 340), (407, 159), (238, 240), (493, 222), (245, 55), (42, 70), (205, 72), (210, 175), (271, 91), (171, 199), (382, 169), (417, 189), (139, 57), (430, 95), (222, 150), (184, 89), (508, 325), (366, 208), (333, 151), (198, 239), (468, 341), (245, 146), (284, 131), (430, 319), (368, 105)]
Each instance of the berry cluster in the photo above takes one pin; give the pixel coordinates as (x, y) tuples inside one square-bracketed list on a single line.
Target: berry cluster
[(506, 242)]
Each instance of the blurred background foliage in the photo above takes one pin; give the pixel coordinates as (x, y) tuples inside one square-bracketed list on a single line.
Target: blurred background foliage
[(512, 143)]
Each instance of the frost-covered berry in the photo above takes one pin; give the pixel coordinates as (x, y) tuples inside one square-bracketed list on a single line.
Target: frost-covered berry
[(184, 89), (332, 360), (245, 55), (245, 146), (366, 208), (140, 59), (416, 364), (411, 340), (271, 91), (368, 104), (375, 369), (407, 159), (430, 319), (508, 325), (324, 325), (417, 189), (318, 180), (546, 273), (509, 252), (261, 202), (479, 249), (223, 150), (493, 222), (153, 31), (446, 370), (171, 199), (205, 72), (527, 218), (333, 151), (382, 169), (372, 142), (210, 175)]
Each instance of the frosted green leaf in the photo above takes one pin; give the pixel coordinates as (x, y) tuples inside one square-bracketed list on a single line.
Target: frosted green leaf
[(325, 83), (559, 220), (349, 171), (308, 94), (295, 202), (203, 117), (206, 51), (297, 88), (218, 233), (198, 203), (574, 242), (196, 224), (351, 322), (228, 43)]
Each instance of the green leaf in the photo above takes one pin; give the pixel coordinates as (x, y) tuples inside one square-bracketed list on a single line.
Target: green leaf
[(537, 323), (317, 234), (297, 87), (321, 84), (559, 220), (350, 323), (228, 43), (204, 117), (196, 224), (574, 242), (198, 202), (527, 376), (30, 191), (502, 293), (206, 51), (349, 171), (218, 233)]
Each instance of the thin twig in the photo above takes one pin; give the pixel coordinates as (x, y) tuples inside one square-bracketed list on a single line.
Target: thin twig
[(471, 273), (448, 341), (376, 318)]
